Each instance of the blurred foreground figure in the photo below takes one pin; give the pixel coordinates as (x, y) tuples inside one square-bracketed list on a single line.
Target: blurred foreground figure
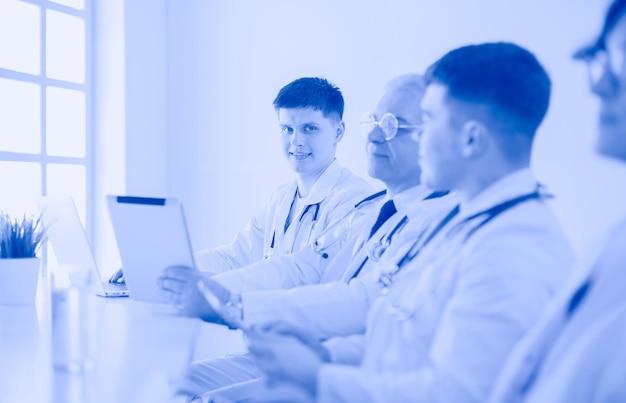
[(577, 352)]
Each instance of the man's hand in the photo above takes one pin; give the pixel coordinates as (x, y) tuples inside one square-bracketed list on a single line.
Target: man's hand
[(301, 334), (275, 354), (180, 286), (117, 277)]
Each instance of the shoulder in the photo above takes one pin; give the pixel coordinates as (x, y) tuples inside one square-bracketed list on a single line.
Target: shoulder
[(282, 192), (349, 189), (523, 243), (371, 199), (350, 179), (610, 253)]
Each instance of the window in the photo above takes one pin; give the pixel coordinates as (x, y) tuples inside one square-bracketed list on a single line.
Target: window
[(45, 129)]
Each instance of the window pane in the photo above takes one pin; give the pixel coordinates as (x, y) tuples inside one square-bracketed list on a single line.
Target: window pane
[(21, 186), (65, 47), (66, 179), (77, 4), (65, 122), (20, 122), (19, 36)]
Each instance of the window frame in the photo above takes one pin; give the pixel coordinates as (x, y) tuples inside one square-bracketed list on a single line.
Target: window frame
[(42, 158)]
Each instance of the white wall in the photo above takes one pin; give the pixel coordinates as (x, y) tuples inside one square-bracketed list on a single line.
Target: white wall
[(184, 90), (227, 59)]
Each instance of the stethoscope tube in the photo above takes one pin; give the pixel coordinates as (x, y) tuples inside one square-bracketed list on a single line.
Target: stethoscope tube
[(308, 207)]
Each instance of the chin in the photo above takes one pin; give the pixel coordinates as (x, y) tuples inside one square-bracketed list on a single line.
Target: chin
[(611, 142)]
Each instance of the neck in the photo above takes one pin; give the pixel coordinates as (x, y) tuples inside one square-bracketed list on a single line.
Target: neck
[(394, 189), (307, 181), (478, 183)]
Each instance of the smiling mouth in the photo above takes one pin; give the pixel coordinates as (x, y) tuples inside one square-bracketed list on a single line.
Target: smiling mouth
[(300, 156)]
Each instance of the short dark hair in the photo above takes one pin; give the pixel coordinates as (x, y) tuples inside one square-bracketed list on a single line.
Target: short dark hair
[(616, 11), (311, 92), (504, 77)]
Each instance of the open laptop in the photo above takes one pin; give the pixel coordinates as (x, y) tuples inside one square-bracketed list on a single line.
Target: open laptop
[(151, 235), (70, 244)]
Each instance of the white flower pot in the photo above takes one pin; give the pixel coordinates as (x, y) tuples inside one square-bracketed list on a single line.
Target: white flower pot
[(18, 281)]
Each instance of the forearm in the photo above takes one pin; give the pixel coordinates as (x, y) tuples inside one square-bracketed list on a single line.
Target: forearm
[(327, 310), (287, 271)]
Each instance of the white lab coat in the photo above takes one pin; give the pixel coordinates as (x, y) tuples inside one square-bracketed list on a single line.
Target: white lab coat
[(451, 317), (337, 191), (584, 353)]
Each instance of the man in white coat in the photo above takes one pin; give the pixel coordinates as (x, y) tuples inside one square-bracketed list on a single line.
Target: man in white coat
[(310, 113), (449, 316), (349, 249), (577, 351)]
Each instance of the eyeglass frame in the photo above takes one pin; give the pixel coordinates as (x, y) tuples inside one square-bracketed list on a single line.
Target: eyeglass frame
[(600, 60), (391, 118)]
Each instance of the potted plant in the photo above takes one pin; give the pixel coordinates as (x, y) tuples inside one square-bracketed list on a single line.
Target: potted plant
[(20, 241)]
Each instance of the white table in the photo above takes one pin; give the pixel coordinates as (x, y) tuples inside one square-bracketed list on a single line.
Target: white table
[(137, 350)]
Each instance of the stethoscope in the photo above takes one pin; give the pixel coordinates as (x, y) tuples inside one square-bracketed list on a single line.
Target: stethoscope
[(378, 249), (489, 214), (316, 210)]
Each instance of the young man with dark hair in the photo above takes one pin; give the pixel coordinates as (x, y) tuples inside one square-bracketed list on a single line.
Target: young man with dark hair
[(449, 315), (310, 113)]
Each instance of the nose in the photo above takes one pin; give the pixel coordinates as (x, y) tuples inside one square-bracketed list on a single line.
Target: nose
[(298, 139), (606, 84), (376, 135)]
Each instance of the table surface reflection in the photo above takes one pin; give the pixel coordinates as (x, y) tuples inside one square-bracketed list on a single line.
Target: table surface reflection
[(136, 352)]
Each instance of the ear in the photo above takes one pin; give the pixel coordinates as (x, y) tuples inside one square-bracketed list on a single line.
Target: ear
[(474, 138), (339, 130)]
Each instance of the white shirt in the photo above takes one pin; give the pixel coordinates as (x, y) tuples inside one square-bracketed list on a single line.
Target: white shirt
[(336, 191), (578, 356), (453, 314)]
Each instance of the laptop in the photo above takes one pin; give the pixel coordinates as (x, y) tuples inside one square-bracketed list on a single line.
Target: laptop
[(71, 246), (151, 235)]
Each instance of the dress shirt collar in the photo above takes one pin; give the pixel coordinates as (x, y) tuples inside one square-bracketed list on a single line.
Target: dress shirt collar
[(508, 187), (409, 199)]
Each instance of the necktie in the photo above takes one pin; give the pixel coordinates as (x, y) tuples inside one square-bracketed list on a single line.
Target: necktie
[(387, 210)]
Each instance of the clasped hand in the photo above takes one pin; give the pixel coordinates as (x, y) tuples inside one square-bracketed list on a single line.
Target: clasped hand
[(275, 348), (180, 286)]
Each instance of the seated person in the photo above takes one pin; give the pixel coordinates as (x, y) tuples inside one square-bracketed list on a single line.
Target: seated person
[(310, 112), (576, 352)]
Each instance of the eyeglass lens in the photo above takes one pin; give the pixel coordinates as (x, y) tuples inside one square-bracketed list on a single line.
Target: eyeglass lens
[(388, 123), (606, 61)]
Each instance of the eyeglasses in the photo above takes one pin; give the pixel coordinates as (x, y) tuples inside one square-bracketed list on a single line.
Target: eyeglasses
[(388, 123), (600, 61)]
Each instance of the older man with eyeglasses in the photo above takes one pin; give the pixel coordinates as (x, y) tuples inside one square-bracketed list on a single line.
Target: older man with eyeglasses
[(577, 351)]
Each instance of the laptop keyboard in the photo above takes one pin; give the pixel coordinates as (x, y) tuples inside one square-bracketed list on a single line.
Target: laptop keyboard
[(114, 286)]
